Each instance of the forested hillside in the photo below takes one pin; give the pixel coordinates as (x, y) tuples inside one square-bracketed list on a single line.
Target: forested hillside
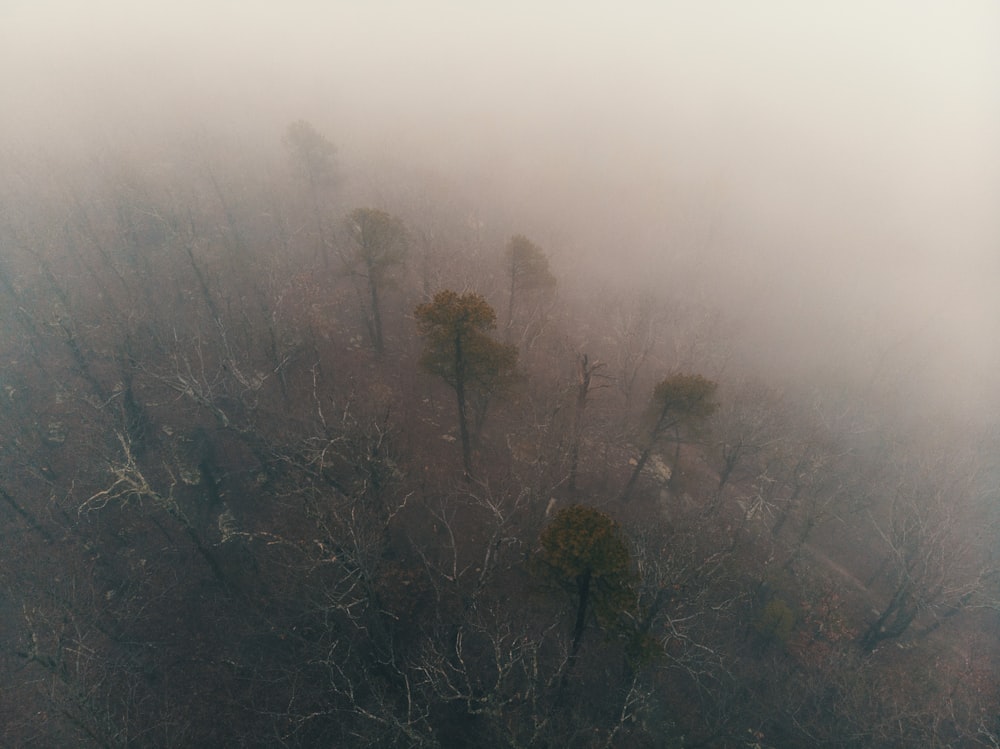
[(296, 454)]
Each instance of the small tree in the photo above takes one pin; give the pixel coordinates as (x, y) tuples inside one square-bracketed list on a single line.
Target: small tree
[(939, 533), (379, 245), (312, 156), (459, 350), (583, 551), (527, 269), (311, 152), (681, 403)]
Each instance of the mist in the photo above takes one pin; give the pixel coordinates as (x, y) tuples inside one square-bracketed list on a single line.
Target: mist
[(453, 374), (826, 176)]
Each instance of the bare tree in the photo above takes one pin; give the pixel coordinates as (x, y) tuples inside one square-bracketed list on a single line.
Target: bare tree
[(745, 426), (312, 156), (636, 331), (937, 528)]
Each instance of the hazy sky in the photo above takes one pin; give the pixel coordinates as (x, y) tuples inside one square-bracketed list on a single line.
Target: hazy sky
[(841, 157)]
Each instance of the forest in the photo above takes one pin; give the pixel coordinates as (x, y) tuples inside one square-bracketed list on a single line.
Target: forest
[(429, 375), (299, 450)]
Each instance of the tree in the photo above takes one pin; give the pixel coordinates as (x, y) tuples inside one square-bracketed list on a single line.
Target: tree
[(583, 550), (312, 156), (939, 532), (744, 428), (380, 244), (527, 269), (681, 402), (459, 350), (635, 326)]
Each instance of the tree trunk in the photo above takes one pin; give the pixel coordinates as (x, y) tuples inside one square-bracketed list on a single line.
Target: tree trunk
[(463, 422), (25, 515), (675, 468), (583, 595), (627, 492), (376, 312), (510, 304), (582, 390), (583, 592), (662, 425), (321, 234), (894, 620)]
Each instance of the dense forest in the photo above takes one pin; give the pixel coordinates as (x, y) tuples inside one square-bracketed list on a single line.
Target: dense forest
[(301, 451)]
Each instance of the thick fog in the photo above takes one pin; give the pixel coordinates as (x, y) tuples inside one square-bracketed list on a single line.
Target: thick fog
[(827, 173)]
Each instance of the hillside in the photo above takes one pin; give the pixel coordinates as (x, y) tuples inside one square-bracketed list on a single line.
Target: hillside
[(236, 510)]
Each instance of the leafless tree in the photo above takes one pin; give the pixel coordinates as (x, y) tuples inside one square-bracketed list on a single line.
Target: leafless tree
[(937, 527)]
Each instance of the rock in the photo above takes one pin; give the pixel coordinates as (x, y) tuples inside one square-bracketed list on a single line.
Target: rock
[(55, 433), (658, 468)]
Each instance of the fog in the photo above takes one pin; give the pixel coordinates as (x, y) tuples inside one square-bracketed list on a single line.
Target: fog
[(827, 174), (451, 373)]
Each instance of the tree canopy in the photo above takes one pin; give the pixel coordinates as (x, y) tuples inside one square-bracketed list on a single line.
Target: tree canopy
[(379, 238), (681, 402)]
